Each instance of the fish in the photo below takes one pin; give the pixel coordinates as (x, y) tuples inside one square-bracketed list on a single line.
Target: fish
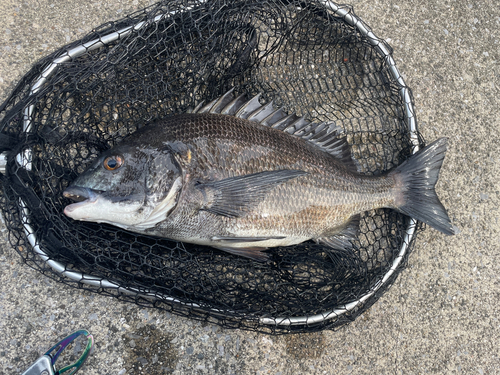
[(244, 177)]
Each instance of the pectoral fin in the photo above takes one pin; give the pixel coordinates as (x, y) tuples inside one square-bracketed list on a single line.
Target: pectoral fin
[(236, 196)]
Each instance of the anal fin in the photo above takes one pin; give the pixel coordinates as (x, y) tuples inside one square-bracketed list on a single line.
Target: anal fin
[(342, 241)]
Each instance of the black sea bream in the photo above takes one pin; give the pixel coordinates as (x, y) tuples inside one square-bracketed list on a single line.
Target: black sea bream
[(243, 177)]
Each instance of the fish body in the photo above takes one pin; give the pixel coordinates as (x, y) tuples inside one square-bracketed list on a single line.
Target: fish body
[(244, 177)]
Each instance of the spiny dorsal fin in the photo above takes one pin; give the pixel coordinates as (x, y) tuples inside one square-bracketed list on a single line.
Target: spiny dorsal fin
[(326, 135)]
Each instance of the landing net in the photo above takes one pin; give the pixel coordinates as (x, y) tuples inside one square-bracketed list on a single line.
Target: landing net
[(314, 58)]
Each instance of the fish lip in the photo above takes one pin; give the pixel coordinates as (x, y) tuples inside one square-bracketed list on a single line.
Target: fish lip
[(81, 195)]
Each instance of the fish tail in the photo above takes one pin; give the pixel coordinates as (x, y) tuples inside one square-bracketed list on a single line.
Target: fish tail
[(415, 182)]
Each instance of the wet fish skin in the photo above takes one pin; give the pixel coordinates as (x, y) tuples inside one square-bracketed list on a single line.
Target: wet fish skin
[(240, 186)]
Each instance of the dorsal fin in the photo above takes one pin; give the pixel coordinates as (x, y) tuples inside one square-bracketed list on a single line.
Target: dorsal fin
[(325, 135)]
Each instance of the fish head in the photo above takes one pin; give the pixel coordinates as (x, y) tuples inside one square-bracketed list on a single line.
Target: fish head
[(126, 186)]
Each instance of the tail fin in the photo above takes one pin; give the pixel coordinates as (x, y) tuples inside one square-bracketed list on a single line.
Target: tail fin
[(416, 178)]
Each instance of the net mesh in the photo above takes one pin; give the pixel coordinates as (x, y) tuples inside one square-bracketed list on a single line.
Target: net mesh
[(161, 61)]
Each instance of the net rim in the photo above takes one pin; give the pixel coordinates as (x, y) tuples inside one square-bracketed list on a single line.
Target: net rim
[(24, 159)]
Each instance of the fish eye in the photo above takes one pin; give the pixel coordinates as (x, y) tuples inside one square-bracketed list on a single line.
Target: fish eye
[(112, 163)]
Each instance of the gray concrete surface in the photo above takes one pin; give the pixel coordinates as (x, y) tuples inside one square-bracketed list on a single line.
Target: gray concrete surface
[(440, 317)]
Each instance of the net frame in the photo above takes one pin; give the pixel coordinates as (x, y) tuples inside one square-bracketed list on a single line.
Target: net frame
[(286, 322)]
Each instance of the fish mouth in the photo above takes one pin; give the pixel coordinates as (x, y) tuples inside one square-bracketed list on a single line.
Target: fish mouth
[(82, 196), (76, 194)]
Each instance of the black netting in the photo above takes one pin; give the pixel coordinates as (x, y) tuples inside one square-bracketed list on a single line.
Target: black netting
[(89, 95)]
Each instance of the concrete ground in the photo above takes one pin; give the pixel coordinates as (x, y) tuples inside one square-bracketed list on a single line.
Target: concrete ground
[(440, 317)]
